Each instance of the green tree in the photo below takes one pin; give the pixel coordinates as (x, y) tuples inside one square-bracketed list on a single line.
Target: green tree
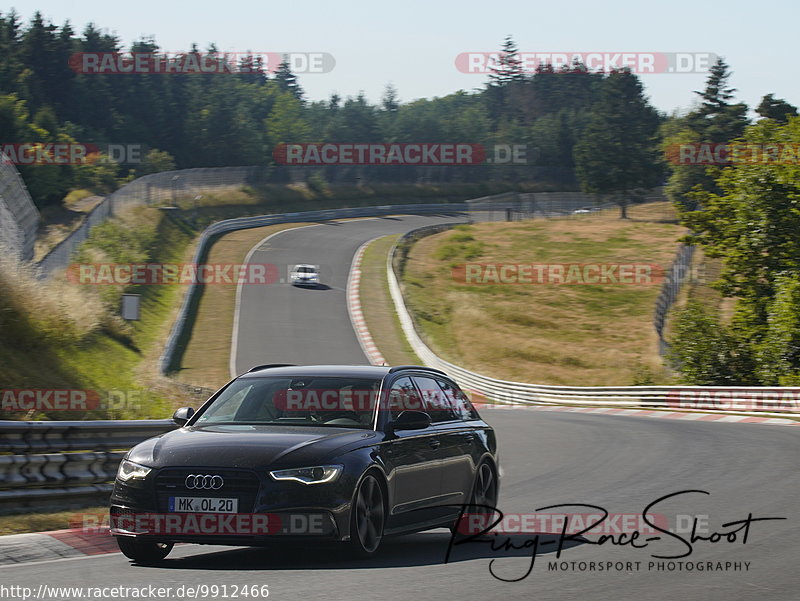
[(508, 66), (155, 161), (616, 155), (776, 109), (715, 121), (778, 355), (705, 353), (287, 81), (504, 73), (752, 225), (286, 123)]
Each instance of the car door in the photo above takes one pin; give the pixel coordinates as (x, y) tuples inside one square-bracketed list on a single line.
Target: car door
[(412, 461), (455, 435)]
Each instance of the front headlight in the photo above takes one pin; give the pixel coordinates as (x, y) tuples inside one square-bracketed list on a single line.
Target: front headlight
[(319, 474), (128, 470)]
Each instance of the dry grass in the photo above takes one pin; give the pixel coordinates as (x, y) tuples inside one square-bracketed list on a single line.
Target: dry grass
[(42, 522), (205, 362), (54, 308), (547, 334)]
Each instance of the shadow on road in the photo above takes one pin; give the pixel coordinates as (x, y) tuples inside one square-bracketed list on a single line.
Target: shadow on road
[(317, 287), (422, 549)]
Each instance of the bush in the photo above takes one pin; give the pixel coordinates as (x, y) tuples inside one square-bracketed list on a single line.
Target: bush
[(76, 196), (318, 185), (706, 353)]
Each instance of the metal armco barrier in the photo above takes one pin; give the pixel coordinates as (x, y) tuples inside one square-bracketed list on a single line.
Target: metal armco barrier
[(58, 464), (754, 400)]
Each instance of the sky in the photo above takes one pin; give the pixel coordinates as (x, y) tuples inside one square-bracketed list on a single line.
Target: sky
[(414, 44)]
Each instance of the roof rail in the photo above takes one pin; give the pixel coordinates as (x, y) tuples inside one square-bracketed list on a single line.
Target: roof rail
[(421, 367), (270, 365)]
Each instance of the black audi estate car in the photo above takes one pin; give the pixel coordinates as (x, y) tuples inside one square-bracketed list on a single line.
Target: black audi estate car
[(339, 453)]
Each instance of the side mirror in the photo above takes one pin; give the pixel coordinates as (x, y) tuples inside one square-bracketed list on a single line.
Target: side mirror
[(182, 415), (411, 420)]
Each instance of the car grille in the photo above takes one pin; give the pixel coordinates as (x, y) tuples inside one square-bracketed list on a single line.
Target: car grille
[(242, 484)]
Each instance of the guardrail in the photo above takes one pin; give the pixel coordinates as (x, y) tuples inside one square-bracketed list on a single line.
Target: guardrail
[(58, 464), (750, 400)]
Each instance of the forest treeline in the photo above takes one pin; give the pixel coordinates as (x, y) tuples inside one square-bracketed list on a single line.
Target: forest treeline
[(593, 130)]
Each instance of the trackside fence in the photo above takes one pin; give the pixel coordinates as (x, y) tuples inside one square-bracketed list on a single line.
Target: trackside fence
[(150, 189), (19, 218)]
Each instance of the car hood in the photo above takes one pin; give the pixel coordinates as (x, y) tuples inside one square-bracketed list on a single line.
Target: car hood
[(247, 446)]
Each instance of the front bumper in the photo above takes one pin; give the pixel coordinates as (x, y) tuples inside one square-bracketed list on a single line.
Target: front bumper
[(267, 510)]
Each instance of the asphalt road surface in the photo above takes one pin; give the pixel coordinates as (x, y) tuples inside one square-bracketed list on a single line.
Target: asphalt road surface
[(621, 464), (285, 324)]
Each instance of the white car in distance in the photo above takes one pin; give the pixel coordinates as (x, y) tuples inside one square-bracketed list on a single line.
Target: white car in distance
[(304, 275)]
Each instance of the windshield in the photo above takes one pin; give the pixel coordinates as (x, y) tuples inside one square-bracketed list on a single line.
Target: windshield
[(305, 270), (318, 401)]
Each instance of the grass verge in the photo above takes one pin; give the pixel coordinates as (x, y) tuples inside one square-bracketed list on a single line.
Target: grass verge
[(548, 334), (378, 308), (205, 361), (42, 522)]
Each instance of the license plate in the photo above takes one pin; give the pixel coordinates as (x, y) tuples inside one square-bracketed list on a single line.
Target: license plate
[(203, 505)]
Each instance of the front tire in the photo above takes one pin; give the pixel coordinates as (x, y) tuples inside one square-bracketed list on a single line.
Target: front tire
[(367, 517), (143, 551)]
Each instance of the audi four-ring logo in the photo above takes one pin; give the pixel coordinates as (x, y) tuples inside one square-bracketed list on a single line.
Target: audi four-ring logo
[(204, 482)]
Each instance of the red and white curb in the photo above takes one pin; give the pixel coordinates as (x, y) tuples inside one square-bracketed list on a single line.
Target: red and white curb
[(354, 309), (16, 549), (685, 415)]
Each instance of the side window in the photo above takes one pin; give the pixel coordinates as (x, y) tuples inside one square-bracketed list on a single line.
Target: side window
[(438, 406), (403, 397), (458, 401)]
